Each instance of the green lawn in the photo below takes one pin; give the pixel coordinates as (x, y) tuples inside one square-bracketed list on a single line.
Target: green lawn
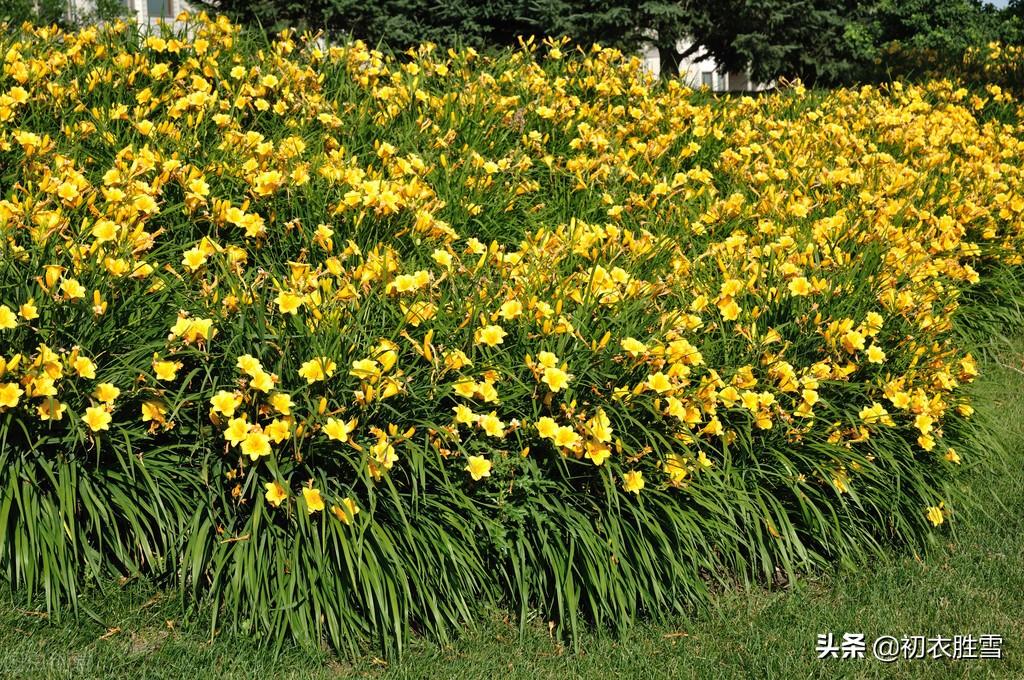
[(972, 582)]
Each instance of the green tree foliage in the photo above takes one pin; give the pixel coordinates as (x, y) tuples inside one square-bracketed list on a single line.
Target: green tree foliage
[(819, 41), (396, 23), (810, 39), (402, 23), (626, 25), (60, 12), (829, 41), (37, 11)]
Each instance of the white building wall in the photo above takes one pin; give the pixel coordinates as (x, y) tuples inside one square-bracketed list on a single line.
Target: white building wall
[(146, 12)]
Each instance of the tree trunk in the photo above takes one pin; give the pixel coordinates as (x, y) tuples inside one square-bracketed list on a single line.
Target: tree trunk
[(668, 60)]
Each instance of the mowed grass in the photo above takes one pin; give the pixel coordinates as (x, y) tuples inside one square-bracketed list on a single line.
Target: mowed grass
[(970, 582)]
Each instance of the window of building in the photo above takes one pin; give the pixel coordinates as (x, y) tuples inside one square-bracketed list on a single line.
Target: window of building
[(157, 9), (708, 78)]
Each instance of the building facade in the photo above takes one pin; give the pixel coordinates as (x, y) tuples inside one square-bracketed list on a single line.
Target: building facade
[(698, 72), (144, 11)]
